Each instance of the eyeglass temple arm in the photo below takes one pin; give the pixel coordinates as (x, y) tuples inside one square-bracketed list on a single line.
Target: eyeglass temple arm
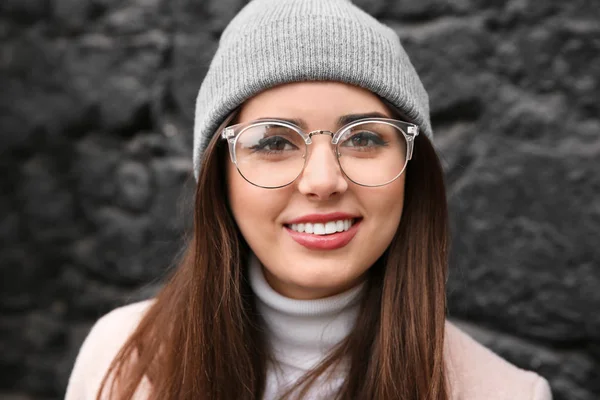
[(412, 133)]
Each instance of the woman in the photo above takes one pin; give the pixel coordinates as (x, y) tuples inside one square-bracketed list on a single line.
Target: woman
[(317, 266)]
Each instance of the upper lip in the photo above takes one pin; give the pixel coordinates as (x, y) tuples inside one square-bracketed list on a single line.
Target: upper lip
[(316, 218)]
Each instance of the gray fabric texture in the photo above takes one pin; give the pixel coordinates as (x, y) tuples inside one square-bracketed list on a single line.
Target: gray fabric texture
[(271, 42)]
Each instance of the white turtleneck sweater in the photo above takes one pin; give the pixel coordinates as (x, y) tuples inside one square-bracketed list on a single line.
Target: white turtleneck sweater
[(302, 332)]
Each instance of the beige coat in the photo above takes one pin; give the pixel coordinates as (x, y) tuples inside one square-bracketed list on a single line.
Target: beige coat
[(474, 372)]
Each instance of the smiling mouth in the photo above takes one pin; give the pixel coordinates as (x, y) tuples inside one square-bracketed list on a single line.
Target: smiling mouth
[(322, 229)]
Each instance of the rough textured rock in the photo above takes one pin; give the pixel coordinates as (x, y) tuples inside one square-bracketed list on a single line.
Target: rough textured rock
[(96, 109)]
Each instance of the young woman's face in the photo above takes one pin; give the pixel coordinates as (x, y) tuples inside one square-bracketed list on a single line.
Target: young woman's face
[(307, 265)]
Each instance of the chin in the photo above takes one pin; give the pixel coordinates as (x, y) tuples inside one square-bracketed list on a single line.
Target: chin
[(307, 276), (323, 283)]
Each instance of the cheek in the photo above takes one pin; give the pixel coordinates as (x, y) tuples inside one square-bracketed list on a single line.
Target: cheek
[(254, 209), (385, 206)]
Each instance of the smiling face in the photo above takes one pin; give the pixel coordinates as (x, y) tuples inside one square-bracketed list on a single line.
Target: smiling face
[(309, 265)]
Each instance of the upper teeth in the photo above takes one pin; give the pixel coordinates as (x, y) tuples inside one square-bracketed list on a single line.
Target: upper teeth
[(323, 229)]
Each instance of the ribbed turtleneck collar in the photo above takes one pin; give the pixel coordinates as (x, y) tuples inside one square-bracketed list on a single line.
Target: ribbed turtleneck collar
[(302, 332)]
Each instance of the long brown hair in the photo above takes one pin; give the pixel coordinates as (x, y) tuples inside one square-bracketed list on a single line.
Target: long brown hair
[(202, 337)]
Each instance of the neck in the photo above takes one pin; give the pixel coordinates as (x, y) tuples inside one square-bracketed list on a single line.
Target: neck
[(302, 332)]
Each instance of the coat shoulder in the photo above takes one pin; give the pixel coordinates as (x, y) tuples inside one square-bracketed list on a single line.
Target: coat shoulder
[(475, 372), (101, 346)]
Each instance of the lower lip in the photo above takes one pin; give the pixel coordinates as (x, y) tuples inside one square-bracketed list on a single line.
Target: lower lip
[(325, 242)]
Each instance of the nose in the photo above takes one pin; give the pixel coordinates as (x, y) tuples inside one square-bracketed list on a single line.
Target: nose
[(322, 177)]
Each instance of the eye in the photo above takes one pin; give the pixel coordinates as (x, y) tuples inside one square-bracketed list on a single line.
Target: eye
[(273, 144), (364, 139)]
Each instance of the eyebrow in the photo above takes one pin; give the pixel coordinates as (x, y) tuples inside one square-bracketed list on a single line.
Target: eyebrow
[(343, 120)]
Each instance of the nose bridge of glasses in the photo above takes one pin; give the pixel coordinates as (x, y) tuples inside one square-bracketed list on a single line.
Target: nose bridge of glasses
[(319, 132), (310, 135), (332, 137), (321, 156)]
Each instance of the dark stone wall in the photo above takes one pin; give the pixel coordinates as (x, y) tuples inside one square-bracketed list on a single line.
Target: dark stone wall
[(96, 106)]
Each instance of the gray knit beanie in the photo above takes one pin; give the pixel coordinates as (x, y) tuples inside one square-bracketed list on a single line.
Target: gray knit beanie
[(271, 42)]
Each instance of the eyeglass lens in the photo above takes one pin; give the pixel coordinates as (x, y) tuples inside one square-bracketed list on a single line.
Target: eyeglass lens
[(273, 155)]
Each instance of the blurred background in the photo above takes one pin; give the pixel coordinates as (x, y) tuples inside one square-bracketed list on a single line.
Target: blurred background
[(96, 108)]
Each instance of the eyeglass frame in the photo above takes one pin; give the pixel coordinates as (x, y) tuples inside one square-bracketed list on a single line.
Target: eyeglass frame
[(231, 133)]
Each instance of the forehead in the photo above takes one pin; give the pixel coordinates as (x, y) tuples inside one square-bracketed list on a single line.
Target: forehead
[(317, 103)]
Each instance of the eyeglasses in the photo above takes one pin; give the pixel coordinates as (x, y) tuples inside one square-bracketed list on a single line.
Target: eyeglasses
[(272, 153)]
